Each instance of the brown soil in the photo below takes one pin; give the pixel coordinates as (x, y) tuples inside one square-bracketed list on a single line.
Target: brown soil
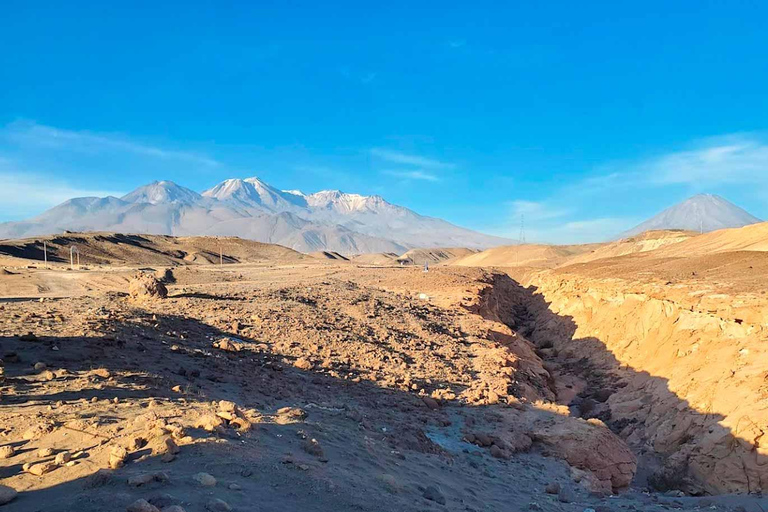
[(352, 388)]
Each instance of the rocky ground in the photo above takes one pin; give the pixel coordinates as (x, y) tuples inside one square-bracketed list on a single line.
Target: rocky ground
[(315, 385)]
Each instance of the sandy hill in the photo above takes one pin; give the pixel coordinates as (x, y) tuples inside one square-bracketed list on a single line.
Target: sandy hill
[(434, 256), (116, 248), (528, 255), (644, 242), (749, 238), (328, 255), (376, 258)]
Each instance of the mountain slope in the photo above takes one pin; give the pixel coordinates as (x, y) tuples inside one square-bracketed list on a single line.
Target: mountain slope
[(329, 220), (702, 212)]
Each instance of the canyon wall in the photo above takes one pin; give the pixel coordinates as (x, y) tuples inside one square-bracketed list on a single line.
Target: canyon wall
[(679, 371)]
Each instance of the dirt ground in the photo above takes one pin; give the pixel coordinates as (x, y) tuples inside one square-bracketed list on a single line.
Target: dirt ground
[(314, 385)]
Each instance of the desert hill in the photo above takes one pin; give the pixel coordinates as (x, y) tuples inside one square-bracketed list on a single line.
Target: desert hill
[(525, 255), (120, 249)]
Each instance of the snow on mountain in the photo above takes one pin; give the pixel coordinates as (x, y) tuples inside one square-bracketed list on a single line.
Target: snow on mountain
[(702, 212), (328, 220), (161, 192)]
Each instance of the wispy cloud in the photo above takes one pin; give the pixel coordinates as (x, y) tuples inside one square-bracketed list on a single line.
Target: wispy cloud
[(30, 134), (457, 43), (731, 159), (24, 193), (398, 157), (537, 211), (419, 175)]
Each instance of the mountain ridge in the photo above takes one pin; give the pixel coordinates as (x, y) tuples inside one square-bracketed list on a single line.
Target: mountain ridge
[(328, 220)]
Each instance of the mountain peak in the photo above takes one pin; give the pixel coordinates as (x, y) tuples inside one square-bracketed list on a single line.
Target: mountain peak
[(702, 212), (161, 192)]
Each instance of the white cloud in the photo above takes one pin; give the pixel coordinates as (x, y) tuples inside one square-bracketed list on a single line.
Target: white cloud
[(27, 133), (408, 159), (416, 174), (725, 160), (23, 194)]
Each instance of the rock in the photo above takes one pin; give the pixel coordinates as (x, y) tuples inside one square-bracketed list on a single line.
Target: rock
[(117, 457), (552, 488), (590, 446), (228, 344), (141, 506), (566, 495), (41, 469), (146, 287), (204, 480), (165, 276), (173, 508), (217, 505), (291, 414), (227, 406), (40, 366), (210, 422), (135, 443), (7, 451), (146, 478), (303, 363), (430, 402), (29, 337), (433, 493), (498, 452), (312, 447), (44, 452), (62, 458), (7, 494)]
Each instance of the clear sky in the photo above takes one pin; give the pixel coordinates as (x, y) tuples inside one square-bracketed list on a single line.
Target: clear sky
[(586, 117)]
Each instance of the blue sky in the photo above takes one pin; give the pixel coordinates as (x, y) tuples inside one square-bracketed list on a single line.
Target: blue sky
[(585, 117)]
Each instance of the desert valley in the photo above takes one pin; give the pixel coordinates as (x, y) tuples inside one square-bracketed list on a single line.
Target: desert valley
[(148, 372)]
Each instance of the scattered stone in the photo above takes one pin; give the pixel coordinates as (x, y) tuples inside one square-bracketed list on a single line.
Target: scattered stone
[(234, 487), (141, 506), (40, 366), (41, 469), (146, 287), (303, 363), (204, 480), (146, 478), (7, 494), (433, 493), (566, 495), (29, 337), (117, 457), (312, 447), (292, 413), (173, 508), (62, 458), (7, 451), (210, 422), (552, 488), (217, 505), (430, 402), (228, 344)]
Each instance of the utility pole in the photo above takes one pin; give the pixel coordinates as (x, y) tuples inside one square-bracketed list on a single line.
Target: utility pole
[(45, 253), (72, 258), (221, 256)]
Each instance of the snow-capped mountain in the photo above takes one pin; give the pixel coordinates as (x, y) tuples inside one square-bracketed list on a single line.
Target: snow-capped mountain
[(702, 212), (328, 220), (162, 192)]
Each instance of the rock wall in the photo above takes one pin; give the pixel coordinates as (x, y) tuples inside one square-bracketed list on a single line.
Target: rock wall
[(683, 371)]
